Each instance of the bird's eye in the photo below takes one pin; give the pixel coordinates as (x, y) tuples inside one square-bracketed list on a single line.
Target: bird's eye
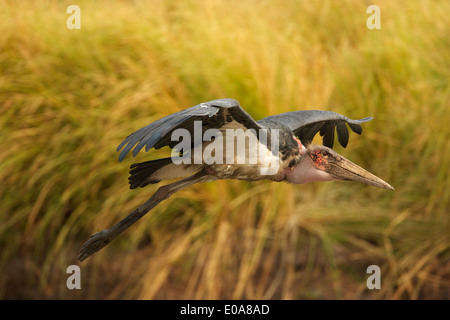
[(325, 153)]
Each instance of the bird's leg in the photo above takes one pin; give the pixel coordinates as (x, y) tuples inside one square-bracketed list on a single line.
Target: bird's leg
[(101, 239)]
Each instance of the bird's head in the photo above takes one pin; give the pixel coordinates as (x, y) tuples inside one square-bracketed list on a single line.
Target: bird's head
[(320, 163)]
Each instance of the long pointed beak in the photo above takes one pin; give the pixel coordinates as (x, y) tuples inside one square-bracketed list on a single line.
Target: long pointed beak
[(347, 170)]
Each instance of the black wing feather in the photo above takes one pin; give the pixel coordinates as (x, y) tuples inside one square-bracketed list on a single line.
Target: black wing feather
[(328, 135), (356, 127), (342, 133)]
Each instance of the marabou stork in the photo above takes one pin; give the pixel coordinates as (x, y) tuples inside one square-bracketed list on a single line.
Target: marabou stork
[(295, 158)]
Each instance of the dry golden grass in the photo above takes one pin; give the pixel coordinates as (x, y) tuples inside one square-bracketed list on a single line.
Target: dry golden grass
[(69, 97)]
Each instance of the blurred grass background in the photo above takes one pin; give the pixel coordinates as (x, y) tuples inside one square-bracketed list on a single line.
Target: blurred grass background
[(69, 97)]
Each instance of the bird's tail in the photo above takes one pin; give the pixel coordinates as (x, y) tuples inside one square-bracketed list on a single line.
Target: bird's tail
[(149, 172)]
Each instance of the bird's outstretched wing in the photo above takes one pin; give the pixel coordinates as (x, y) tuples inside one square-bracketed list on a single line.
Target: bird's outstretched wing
[(213, 114), (307, 123)]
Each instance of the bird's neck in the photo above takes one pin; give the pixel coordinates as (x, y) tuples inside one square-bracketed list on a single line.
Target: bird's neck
[(305, 171)]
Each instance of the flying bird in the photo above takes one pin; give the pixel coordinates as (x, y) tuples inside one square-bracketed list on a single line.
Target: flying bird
[(222, 141)]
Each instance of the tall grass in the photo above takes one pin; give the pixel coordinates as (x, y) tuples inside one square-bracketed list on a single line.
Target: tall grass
[(69, 97)]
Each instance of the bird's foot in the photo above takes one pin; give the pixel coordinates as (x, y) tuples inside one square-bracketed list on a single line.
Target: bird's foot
[(96, 242)]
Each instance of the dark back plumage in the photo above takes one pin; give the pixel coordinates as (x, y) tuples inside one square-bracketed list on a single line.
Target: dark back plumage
[(213, 114), (216, 113)]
